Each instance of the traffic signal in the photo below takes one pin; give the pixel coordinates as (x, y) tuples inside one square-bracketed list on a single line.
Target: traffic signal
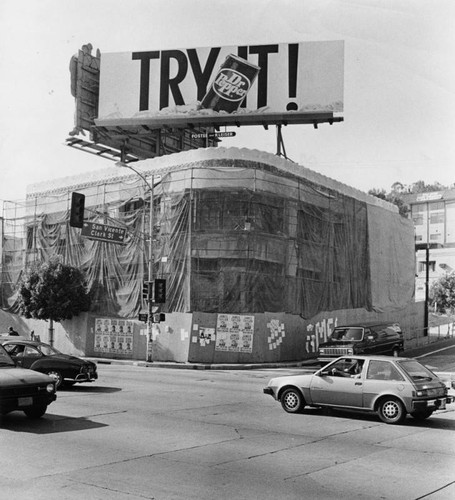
[(160, 291), (77, 210), (147, 290)]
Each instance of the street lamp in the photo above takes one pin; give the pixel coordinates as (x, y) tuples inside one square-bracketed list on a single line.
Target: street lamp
[(150, 252)]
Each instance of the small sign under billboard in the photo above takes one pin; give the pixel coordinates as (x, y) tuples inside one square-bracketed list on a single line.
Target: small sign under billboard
[(214, 82), (101, 232)]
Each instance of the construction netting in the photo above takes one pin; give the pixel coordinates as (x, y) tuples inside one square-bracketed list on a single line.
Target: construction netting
[(229, 236)]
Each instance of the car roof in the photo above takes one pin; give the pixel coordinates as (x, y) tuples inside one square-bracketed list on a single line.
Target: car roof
[(368, 323), (378, 357), (23, 341)]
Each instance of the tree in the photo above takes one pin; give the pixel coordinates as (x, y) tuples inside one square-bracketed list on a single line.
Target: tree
[(442, 293), (392, 197), (53, 291)]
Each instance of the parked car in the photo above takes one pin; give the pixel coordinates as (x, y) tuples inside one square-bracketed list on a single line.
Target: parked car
[(391, 387), (24, 390), (41, 357), (362, 338)]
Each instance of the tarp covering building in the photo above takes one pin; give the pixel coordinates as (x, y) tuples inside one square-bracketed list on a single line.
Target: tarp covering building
[(235, 231)]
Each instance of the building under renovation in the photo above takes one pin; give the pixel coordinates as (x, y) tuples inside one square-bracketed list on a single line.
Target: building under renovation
[(262, 257)]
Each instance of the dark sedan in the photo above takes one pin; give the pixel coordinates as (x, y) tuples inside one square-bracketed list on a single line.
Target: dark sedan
[(41, 357), (23, 390)]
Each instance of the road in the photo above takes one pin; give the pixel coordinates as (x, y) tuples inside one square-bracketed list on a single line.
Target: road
[(163, 434)]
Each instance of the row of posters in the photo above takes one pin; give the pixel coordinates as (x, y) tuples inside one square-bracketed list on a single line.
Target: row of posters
[(114, 336), (234, 333)]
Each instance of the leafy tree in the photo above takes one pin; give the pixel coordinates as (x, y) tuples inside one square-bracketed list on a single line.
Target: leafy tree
[(392, 197), (442, 293), (53, 291), (398, 190)]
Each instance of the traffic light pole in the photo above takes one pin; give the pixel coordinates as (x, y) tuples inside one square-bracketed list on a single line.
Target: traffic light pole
[(150, 276)]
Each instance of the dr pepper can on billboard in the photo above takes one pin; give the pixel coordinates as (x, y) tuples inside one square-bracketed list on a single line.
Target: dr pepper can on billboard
[(231, 85)]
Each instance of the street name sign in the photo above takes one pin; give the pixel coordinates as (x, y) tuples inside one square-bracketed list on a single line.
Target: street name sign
[(101, 232)]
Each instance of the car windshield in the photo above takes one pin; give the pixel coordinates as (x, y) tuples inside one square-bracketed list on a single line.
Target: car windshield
[(5, 359), (349, 334), (416, 371), (47, 350)]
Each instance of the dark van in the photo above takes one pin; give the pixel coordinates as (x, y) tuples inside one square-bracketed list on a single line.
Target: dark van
[(362, 338)]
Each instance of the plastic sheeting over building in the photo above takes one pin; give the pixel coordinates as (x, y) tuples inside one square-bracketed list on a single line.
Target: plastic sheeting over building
[(235, 231)]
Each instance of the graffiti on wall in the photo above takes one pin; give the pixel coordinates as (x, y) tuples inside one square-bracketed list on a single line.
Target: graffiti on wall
[(114, 336), (277, 334), (318, 332), (234, 333)]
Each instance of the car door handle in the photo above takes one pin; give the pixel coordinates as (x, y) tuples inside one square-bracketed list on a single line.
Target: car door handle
[(358, 383)]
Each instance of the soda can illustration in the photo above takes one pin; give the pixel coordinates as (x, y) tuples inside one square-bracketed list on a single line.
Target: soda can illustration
[(230, 85)]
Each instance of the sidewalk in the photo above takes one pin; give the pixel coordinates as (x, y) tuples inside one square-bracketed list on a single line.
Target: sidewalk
[(415, 352)]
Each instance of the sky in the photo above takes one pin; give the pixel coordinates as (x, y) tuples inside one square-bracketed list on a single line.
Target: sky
[(399, 80)]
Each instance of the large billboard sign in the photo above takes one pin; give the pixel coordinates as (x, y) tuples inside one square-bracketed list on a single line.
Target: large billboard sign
[(233, 84)]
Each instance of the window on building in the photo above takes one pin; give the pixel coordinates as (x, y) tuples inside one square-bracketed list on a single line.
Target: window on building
[(422, 266)]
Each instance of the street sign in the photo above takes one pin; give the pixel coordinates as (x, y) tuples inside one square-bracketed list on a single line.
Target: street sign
[(212, 135), (101, 232)]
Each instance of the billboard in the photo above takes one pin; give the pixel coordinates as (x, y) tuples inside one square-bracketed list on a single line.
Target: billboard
[(232, 84)]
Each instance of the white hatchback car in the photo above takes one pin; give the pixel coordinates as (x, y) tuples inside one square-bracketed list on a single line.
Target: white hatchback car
[(391, 387)]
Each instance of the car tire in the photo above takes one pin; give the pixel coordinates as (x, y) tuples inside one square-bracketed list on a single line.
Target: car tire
[(36, 411), (391, 410), (421, 414), (292, 400), (57, 376)]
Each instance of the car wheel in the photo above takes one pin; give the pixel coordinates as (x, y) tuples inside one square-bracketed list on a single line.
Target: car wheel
[(36, 411), (422, 414), (292, 400), (391, 410), (57, 376)]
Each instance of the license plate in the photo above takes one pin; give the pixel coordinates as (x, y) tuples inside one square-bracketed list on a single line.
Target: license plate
[(28, 401)]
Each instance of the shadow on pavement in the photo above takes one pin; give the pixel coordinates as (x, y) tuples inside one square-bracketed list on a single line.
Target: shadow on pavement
[(48, 424), (93, 389), (436, 421)]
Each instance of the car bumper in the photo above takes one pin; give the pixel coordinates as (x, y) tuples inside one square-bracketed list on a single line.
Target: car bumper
[(435, 403), (269, 391), (86, 377), (9, 404)]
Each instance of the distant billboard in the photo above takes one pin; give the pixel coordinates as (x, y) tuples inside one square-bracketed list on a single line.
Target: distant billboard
[(249, 84)]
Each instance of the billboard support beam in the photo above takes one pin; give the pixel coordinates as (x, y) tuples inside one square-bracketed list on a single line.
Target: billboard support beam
[(280, 149)]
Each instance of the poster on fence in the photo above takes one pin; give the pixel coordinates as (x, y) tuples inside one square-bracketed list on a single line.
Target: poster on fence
[(113, 336), (234, 333)]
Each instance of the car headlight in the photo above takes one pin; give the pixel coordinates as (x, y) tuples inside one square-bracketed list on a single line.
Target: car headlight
[(321, 351), (50, 387), (351, 351), (422, 393)]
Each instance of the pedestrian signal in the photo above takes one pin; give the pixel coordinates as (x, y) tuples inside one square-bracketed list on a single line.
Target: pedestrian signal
[(158, 317)]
